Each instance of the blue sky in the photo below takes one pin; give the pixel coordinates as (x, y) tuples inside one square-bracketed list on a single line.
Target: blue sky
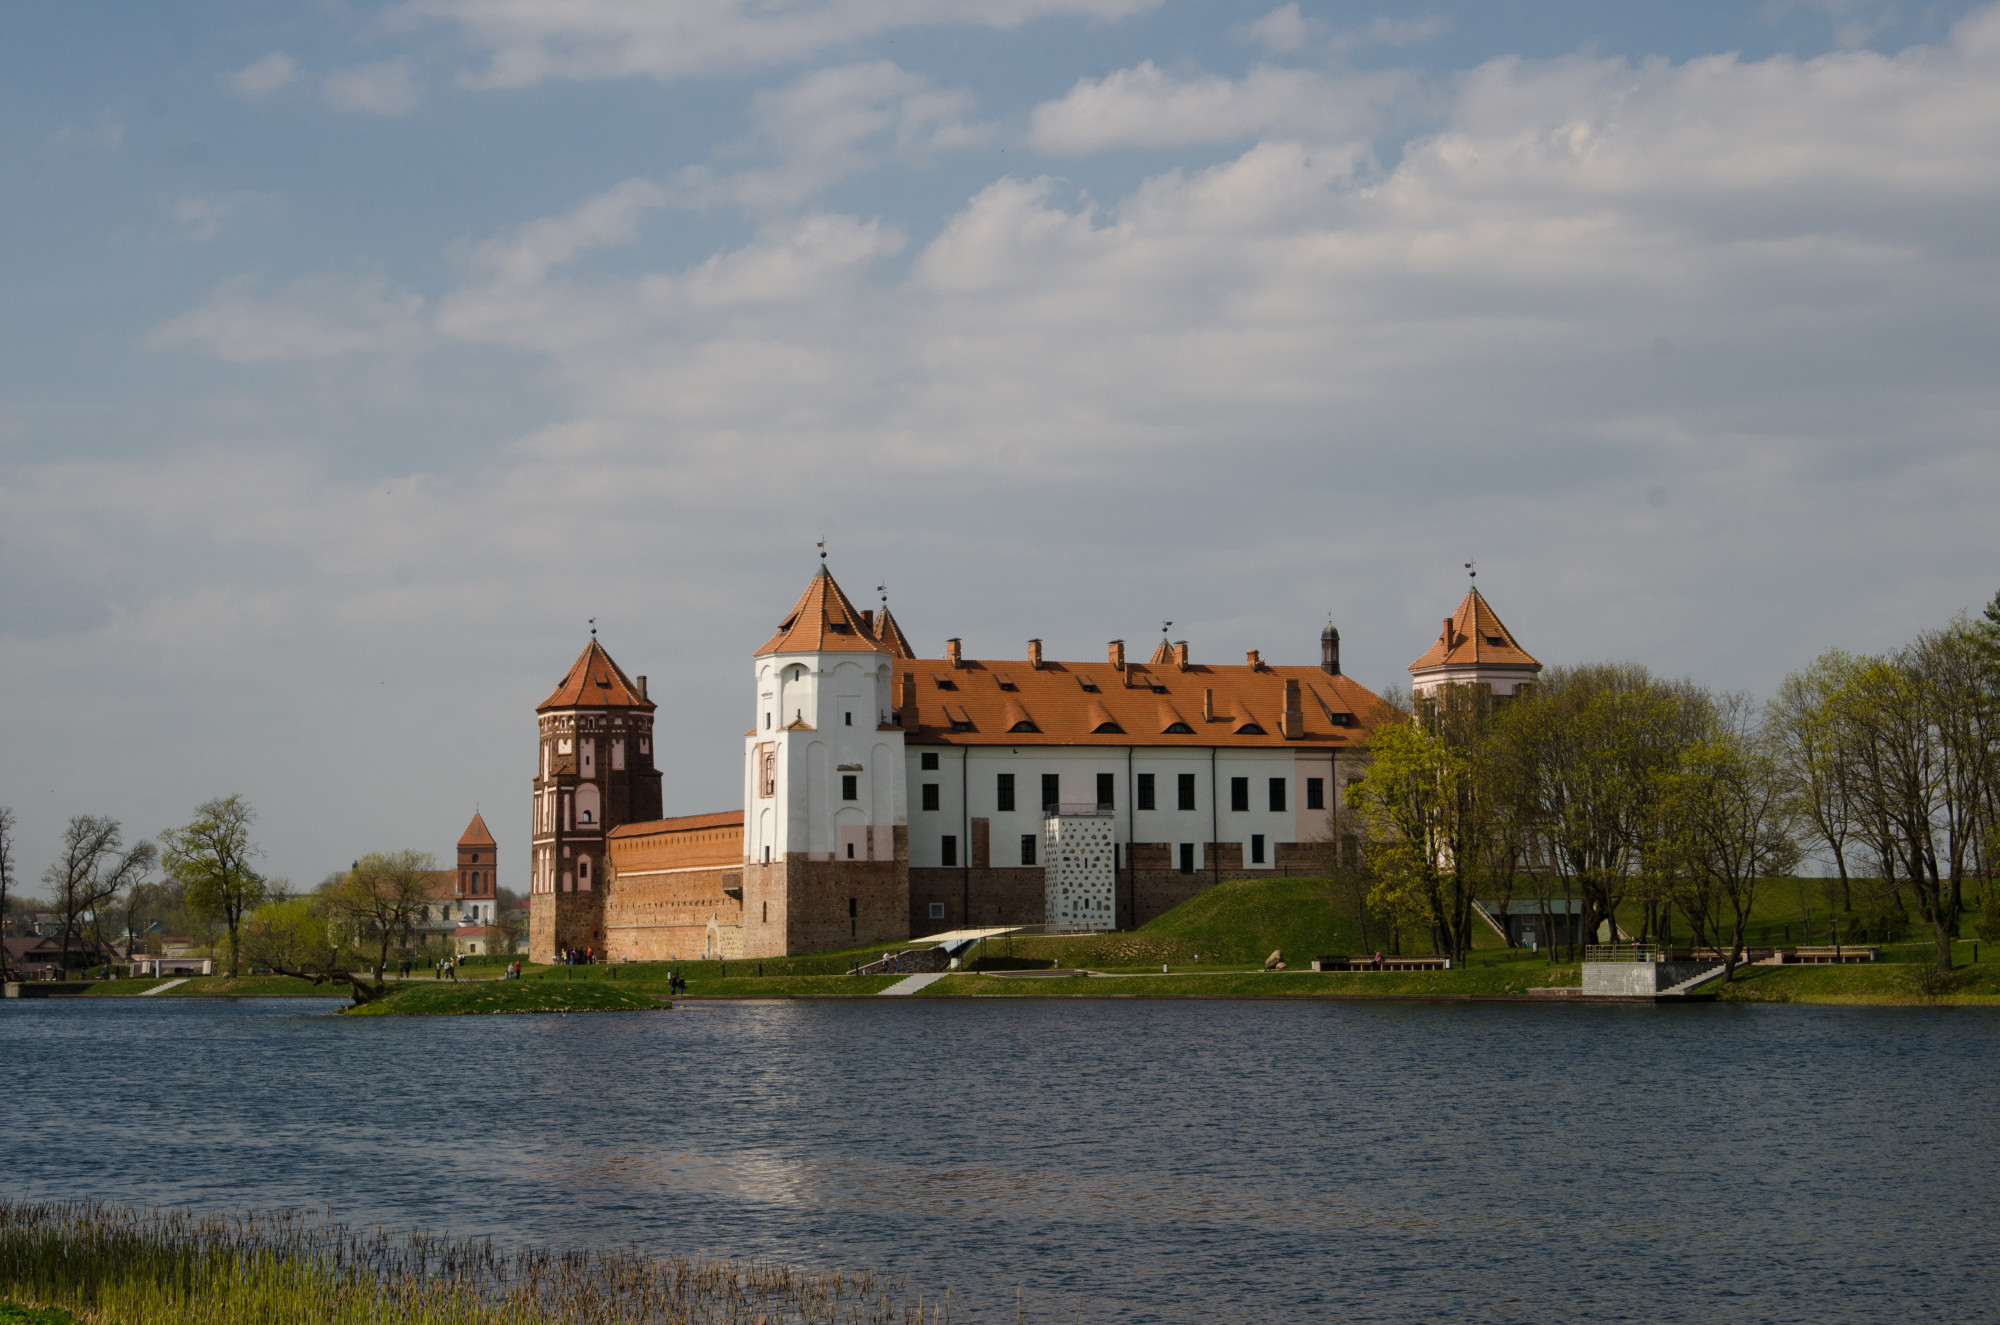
[(352, 356)]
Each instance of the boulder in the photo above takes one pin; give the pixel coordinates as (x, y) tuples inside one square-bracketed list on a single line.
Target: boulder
[(1275, 961)]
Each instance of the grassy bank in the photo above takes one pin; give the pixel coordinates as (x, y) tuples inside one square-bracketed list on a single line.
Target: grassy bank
[(219, 986), (1903, 983), (500, 996), (112, 1265)]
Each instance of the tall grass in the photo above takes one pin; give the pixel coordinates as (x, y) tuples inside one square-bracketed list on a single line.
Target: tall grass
[(121, 1266)]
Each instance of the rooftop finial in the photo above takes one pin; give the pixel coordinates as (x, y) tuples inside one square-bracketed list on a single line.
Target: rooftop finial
[(1166, 626), (1472, 569), (593, 627), (821, 545)]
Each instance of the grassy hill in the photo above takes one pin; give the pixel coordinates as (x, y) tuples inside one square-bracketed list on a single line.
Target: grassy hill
[(1238, 923)]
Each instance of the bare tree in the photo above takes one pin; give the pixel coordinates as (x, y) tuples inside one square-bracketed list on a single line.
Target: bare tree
[(210, 859), (91, 871), (382, 898), (6, 875)]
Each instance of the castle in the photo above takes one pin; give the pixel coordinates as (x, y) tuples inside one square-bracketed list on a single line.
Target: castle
[(888, 796)]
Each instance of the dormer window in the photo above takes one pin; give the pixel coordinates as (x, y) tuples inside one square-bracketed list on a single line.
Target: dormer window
[(1496, 641), (1022, 726), (838, 627), (1107, 729), (1087, 683), (1006, 682), (1250, 729), (944, 682), (1179, 729)]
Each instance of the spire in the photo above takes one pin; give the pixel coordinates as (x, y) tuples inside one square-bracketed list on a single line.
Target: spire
[(594, 681), (892, 638), (823, 621), (476, 834), (1474, 634)]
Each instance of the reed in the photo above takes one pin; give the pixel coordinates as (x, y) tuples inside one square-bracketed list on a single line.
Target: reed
[(117, 1265)]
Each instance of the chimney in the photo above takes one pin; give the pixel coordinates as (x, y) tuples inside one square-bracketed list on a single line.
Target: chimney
[(1118, 654), (1255, 659), (906, 712), (952, 654), (642, 686), (1447, 634), (1329, 650), (1035, 654), (1181, 655), (868, 620), (1208, 705), (1293, 724)]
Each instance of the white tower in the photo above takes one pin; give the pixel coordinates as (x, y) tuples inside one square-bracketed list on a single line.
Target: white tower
[(825, 825)]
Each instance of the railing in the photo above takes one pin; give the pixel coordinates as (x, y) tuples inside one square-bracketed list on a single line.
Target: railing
[(1077, 807), (1621, 952)]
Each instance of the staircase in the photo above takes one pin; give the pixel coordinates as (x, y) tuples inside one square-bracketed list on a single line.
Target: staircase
[(1681, 990)]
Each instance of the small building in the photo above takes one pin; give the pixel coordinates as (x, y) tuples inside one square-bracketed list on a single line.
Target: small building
[(42, 956), (1528, 923)]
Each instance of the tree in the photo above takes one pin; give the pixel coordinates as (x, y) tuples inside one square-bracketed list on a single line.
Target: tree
[(1727, 819), (1817, 753), (6, 875), (91, 871), (383, 898), (210, 859), (301, 937)]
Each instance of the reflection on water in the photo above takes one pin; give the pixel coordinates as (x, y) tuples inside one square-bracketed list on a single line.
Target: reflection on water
[(1154, 1161)]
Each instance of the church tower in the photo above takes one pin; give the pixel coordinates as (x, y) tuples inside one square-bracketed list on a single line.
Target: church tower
[(477, 893), (825, 831), (596, 772)]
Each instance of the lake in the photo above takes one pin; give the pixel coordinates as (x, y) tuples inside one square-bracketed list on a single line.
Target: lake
[(1118, 1161)]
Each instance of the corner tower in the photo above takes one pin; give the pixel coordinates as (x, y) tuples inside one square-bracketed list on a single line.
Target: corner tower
[(1474, 649), (596, 772), (478, 895), (825, 832)]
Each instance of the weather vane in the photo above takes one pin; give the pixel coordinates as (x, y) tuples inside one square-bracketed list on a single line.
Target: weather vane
[(821, 545), (593, 627), (883, 589), (1472, 569), (1166, 626)]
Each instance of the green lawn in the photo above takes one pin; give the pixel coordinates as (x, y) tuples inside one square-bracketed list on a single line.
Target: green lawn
[(12, 1313), (493, 996), (221, 986)]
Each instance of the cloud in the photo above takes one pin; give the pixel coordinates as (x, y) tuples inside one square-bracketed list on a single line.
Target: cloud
[(105, 136), (385, 88), (314, 317), (263, 75), (203, 218), (529, 41), (1285, 30), (1147, 107)]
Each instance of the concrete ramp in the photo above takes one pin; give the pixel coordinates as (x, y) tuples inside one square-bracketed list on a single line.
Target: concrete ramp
[(161, 989), (912, 983)]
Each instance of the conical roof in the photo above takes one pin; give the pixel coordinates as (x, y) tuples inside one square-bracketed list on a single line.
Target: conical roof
[(892, 638), (594, 682), (476, 834), (1475, 636), (1162, 655), (824, 621)]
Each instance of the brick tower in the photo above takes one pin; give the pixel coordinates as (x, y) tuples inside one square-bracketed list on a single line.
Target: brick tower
[(596, 772), (478, 900)]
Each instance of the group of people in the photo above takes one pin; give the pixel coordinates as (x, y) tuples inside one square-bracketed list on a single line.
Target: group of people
[(575, 957)]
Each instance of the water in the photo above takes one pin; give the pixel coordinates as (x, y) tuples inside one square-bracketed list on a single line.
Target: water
[(1118, 1161)]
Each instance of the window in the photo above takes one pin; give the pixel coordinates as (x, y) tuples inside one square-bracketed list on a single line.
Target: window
[(1277, 795), (1027, 848), (767, 913), (850, 851), (853, 907), (767, 720), (1315, 793), (927, 761), (948, 849), (1022, 726), (767, 860), (849, 719), (1145, 793), (1106, 783), (1187, 857), (1239, 795), (937, 910), (1187, 791), (1256, 848), (1051, 790), (1179, 729), (850, 786), (1003, 792), (930, 795)]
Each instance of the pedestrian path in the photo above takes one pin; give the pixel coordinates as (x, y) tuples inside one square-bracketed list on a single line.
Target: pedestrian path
[(910, 984), (161, 989)]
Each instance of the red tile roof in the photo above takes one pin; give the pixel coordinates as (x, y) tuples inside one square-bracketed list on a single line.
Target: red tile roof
[(476, 834), (892, 637), (595, 682), (824, 621), (1474, 635), (686, 823), (1071, 703)]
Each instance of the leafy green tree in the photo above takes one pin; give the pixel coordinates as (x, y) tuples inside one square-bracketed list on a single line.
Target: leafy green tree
[(302, 937), (210, 859), (381, 900)]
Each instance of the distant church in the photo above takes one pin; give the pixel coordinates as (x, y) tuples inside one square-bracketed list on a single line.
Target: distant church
[(888, 796)]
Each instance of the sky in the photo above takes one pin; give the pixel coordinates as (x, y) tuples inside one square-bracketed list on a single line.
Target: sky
[(355, 356)]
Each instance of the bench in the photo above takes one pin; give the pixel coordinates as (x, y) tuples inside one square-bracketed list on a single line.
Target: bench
[(1840, 956), (1366, 962)]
